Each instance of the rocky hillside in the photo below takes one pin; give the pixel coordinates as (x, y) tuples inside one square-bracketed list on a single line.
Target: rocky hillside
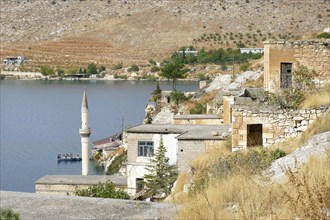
[(74, 32)]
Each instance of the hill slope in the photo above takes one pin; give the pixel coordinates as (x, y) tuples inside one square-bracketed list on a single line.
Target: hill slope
[(75, 32)]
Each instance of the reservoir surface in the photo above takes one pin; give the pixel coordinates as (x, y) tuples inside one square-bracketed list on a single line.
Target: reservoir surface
[(41, 119)]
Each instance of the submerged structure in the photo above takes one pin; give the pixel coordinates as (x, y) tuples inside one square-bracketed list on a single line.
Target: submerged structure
[(84, 132)]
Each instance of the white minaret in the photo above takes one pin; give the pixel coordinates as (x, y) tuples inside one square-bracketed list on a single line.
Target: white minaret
[(85, 132)]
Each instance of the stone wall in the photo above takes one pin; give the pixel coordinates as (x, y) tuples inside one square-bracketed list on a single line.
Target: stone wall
[(205, 121), (188, 150), (314, 54), (277, 125)]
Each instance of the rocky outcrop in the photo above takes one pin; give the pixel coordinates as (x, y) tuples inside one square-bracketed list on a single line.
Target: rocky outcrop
[(316, 146)]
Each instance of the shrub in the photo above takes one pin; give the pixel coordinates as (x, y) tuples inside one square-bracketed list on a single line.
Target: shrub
[(8, 214), (47, 71), (117, 66), (154, 69), (244, 67), (152, 62), (199, 108), (102, 190), (323, 35), (134, 68), (178, 97), (91, 69)]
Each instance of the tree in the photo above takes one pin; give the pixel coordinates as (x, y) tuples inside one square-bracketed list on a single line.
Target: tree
[(156, 94), (161, 175), (45, 70), (178, 97), (91, 69), (174, 70), (133, 67)]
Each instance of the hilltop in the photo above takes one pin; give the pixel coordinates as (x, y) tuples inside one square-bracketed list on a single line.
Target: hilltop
[(66, 33)]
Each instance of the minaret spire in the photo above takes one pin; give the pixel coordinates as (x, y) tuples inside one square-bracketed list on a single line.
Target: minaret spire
[(84, 132)]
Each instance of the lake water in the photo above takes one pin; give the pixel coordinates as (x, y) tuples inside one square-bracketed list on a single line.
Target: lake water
[(40, 119)]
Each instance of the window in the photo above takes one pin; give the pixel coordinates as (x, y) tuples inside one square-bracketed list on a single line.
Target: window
[(145, 148), (286, 75), (139, 184)]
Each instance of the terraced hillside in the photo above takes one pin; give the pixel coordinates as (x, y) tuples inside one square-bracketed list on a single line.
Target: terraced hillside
[(70, 33)]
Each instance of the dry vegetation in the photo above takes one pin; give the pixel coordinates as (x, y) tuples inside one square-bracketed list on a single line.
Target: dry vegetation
[(306, 195), (72, 33), (318, 99)]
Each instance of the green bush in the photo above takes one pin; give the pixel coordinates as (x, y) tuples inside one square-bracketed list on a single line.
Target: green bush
[(117, 66), (8, 214), (199, 108), (154, 69), (134, 68), (178, 97), (324, 35), (152, 62), (102, 190), (47, 71)]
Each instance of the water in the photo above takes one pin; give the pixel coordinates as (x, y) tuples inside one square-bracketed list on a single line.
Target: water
[(40, 119)]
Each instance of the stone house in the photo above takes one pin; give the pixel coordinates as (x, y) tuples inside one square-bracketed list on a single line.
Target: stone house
[(281, 58), (183, 143)]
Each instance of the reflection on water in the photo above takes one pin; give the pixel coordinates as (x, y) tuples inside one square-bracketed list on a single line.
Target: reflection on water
[(41, 119)]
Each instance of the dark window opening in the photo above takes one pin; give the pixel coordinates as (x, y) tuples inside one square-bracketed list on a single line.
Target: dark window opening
[(286, 75), (139, 184), (254, 135)]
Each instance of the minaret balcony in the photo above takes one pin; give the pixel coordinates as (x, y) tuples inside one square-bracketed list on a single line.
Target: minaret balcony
[(85, 132)]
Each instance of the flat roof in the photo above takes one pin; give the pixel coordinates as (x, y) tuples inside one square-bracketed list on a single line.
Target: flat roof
[(185, 132), (81, 180), (196, 116)]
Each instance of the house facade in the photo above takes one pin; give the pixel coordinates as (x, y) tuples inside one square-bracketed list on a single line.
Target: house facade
[(182, 142), (281, 58)]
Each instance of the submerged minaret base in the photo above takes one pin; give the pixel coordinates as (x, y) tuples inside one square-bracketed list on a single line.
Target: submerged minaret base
[(84, 132)]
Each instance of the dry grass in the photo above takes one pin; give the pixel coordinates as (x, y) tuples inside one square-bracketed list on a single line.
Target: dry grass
[(255, 83), (321, 124), (305, 195), (321, 98), (203, 100)]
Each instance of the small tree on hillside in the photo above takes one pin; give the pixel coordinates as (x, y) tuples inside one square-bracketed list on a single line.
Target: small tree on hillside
[(161, 175), (91, 69)]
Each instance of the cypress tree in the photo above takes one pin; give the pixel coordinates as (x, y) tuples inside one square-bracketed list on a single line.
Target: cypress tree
[(161, 175)]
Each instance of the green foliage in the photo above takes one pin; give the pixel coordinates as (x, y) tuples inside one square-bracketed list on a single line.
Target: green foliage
[(148, 118), (244, 67), (156, 94), (199, 108), (201, 77), (154, 69), (60, 72), (174, 70), (117, 163), (178, 97), (134, 68), (291, 98), (47, 71), (286, 99), (8, 214), (152, 62), (106, 190), (117, 66), (324, 35), (91, 69), (161, 175)]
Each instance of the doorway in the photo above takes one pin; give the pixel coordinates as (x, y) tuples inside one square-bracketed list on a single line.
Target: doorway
[(254, 135)]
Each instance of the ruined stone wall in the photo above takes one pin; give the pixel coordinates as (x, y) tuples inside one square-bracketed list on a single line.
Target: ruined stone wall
[(277, 125), (314, 54)]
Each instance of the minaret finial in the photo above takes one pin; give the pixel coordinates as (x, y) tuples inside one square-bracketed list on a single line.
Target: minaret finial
[(84, 101)]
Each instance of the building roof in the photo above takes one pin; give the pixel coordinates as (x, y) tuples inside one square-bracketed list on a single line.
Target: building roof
[(196, 116), (81, 180), (185, 132)]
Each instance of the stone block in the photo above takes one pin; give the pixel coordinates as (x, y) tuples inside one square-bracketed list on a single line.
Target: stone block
[(268, 135), (302, 128)]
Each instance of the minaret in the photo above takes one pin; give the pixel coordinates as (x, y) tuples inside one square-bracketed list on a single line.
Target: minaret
[(85, 132)]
